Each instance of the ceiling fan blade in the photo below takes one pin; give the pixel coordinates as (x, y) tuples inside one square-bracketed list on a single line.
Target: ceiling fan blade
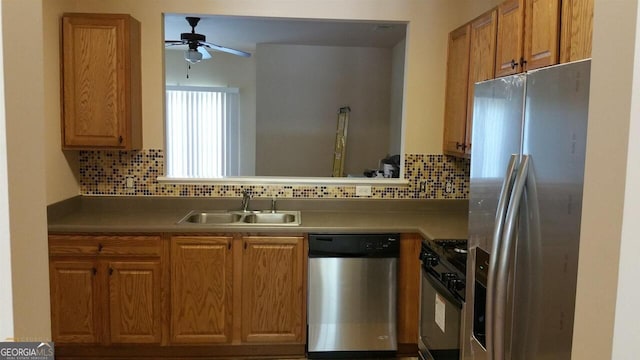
[(173, 42), (225, 49), (205, 53)]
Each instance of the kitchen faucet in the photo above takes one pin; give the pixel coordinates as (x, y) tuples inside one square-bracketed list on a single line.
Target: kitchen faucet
[(246, 196)]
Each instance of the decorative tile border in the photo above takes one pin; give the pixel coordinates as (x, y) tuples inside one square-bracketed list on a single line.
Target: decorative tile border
[(105, 173)]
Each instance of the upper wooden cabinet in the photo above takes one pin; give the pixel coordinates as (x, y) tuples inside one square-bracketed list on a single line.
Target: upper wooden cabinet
[(518, 35), (455, 111), (509, 41), (101, 85), (471, 58), (528, 35), (577, 28), (482, 57)]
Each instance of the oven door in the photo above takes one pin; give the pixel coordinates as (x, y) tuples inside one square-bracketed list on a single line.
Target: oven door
[(440, 314)]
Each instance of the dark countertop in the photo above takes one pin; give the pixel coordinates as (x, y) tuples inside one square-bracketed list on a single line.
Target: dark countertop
[(433, 219)]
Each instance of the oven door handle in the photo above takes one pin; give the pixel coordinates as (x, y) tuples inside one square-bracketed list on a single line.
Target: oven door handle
[(441, 289)]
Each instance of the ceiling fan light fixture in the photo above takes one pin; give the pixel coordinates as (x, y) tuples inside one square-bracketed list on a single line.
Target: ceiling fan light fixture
[(192, 56)]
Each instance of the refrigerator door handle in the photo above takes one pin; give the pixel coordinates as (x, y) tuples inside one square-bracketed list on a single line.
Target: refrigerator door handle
[(504, 259), (501, 211)]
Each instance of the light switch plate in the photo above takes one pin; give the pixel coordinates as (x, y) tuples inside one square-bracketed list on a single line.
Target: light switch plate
[(363, 190)]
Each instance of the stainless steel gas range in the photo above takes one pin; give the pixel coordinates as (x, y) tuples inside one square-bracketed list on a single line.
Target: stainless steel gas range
[(442, 298)]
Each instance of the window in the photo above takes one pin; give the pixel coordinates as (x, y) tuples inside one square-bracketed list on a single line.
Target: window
[(201, 123)]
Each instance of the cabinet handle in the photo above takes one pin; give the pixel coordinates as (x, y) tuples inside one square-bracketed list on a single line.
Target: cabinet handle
[(95, 271), (229, 245), (110, 271), (513, 63), (460, 146), (100, 247), (523, 62), (120, 139), (245, 246)]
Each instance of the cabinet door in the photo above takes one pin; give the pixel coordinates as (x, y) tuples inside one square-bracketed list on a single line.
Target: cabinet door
[(509, 41), (134, 301), (272, 295), (577, 28), (74, 301), (101, 81), (482, 56), (409, 288), (201, 289), (542, 33), (455, 110)]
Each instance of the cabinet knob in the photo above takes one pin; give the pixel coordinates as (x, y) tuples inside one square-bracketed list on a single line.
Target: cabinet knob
[(513, 63), (460, 146), (110, 271), (120, 139)]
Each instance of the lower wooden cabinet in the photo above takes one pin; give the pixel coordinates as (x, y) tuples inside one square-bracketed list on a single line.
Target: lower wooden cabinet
[(190, 295), (134, 301), (253, 284), (272, 289), (74, 301), (100, 298), (201, 289)]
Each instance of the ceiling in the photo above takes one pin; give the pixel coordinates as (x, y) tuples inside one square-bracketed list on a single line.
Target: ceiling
[(243, 33)]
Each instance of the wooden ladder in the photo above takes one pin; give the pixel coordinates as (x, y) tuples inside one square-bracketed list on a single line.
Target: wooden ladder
[(341, 141)]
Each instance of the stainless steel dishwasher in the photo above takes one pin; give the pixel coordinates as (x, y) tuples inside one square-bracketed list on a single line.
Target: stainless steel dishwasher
[(352, 295)]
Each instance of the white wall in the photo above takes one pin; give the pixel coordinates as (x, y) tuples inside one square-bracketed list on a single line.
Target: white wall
[(224, 70), (25, 132), (299, 91), (6, 295)]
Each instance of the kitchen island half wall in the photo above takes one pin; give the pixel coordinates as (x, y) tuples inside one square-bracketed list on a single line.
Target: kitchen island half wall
[(106, 173)]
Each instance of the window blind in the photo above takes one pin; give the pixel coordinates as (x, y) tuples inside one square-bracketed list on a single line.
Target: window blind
[(201, 126)]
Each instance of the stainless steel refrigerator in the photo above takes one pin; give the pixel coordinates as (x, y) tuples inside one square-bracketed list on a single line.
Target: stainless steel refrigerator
[(525, 203)]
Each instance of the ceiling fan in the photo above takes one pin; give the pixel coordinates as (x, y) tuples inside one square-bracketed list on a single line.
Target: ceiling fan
[(197, 44)]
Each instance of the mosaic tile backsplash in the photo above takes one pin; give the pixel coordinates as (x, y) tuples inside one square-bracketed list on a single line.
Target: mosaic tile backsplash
[(106, 173)]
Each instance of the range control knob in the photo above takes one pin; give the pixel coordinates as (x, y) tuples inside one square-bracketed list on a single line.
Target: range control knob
[(449, 276), (456, 284), (431, 259)]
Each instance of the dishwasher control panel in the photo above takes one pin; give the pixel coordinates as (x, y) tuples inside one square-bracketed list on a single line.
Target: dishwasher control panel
[(354, 245)]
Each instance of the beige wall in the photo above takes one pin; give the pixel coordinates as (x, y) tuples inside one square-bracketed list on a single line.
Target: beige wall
[(609, 223), (25, 111), (6, 295), (429, 23), (299, 91), (60, 167)]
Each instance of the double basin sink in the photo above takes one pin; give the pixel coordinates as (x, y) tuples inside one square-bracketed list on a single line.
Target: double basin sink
[(224, 217)]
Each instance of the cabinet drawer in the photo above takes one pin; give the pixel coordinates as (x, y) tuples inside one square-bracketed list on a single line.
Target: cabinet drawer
[(61, 245)]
